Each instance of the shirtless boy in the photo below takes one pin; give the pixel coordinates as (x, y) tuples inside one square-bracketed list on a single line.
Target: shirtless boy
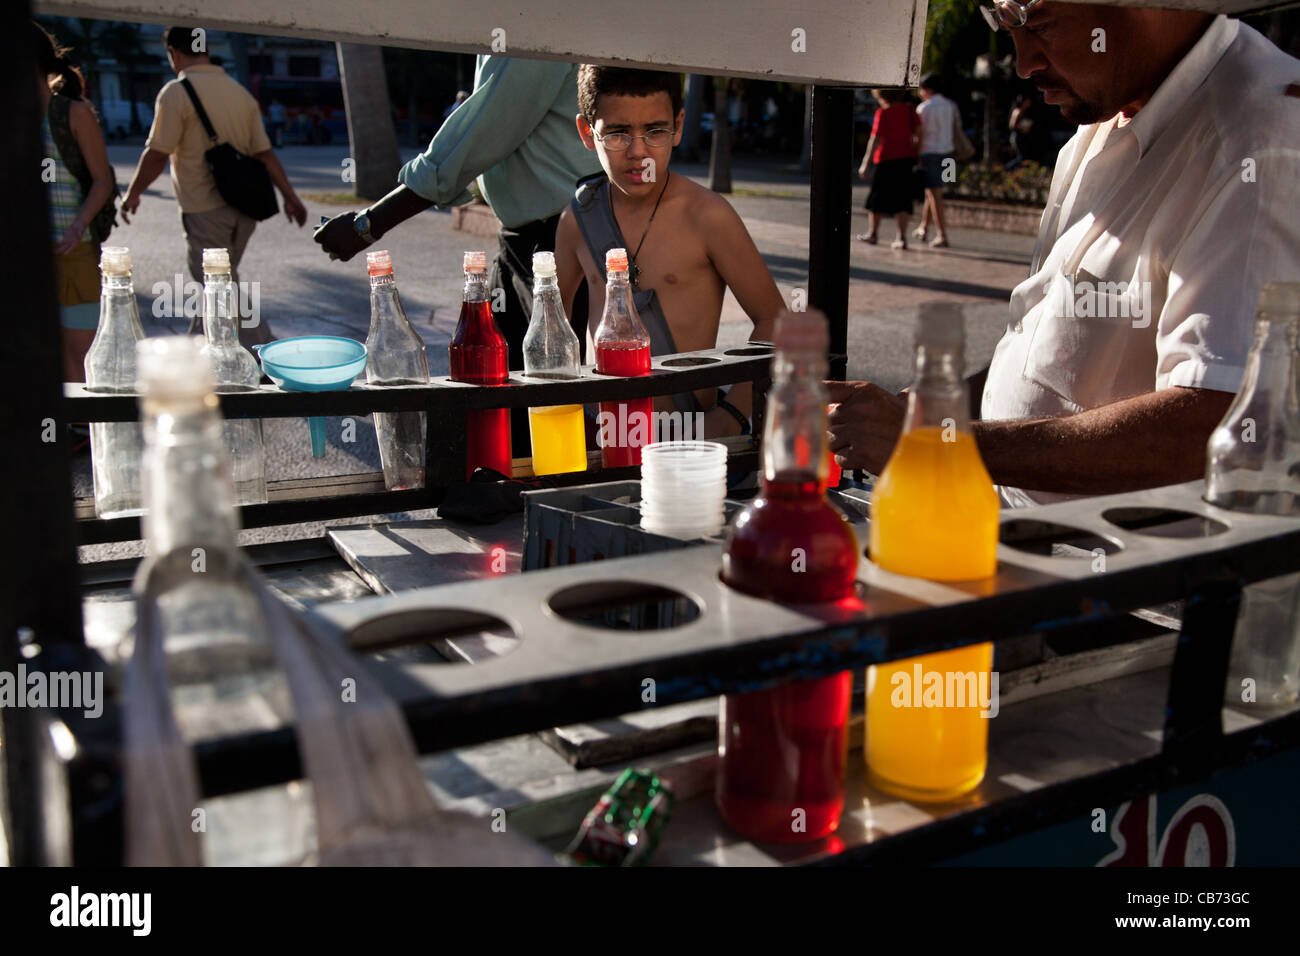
[(689, 250)]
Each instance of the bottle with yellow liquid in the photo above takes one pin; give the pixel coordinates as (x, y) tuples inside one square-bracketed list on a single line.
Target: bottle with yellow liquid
[(551, 351), (934, 514)]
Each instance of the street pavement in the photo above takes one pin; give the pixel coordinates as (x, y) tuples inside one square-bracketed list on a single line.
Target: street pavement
[(302, 292)]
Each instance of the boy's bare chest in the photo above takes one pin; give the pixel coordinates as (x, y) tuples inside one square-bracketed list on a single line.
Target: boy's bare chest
[(670, 257)]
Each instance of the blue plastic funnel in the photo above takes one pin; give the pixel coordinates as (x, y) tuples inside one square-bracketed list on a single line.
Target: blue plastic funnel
[(313, 363)]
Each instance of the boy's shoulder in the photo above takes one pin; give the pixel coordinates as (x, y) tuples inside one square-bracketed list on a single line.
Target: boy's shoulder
[(699, 202)]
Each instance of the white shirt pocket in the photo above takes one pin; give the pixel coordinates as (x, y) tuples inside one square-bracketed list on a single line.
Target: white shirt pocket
[(1092, 343)]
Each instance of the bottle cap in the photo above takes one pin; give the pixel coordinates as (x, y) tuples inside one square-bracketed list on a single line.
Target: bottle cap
[(476, 261), (801, 332), (172, 366), (216, 261), (941, 325), (115, 261), (616, 260), (543, 264), (1280, 300), (380, 263)]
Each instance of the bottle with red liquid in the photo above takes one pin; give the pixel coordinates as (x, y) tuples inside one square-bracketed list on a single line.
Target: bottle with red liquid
[(479, 355), (782, 751), (622, 348)]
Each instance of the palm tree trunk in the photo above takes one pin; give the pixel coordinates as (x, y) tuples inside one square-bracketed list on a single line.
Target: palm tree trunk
[(990, 104), (690, 148), (375, 156), (720, 154)]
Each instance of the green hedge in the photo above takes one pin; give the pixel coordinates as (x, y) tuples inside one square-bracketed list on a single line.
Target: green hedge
[(1028, 184)]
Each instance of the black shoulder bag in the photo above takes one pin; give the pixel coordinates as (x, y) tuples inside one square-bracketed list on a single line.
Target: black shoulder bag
[(242, 181)]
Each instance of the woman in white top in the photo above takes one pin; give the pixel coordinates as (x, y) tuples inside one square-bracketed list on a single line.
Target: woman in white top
[(938, 114)]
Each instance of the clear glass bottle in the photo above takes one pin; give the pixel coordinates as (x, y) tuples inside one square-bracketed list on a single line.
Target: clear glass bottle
[(395, 355), (220, 663), (934, 514), (1253, 465), (234, 369), (782, 751), (551, 350), (110, 367), (622, 348)]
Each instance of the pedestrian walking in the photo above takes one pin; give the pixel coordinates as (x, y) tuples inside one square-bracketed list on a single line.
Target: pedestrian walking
[(178, 134), (888, 164)]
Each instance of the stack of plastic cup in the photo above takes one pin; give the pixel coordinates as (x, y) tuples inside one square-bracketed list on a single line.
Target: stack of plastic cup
[(683, 484)]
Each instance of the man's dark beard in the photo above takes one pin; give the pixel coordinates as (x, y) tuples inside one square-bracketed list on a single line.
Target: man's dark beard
[(1082, 113)]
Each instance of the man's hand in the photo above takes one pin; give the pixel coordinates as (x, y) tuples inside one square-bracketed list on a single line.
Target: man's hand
[(130, 203), (295, 210), (865, 426), (339, 237)]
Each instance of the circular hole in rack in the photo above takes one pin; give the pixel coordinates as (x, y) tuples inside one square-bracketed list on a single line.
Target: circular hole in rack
[(1052, 540), (750, 350), (434, 635), (690, 360), (1164, 522), (624, 606)]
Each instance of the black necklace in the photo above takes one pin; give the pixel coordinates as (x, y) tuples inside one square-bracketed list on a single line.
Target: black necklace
[(636, 271)]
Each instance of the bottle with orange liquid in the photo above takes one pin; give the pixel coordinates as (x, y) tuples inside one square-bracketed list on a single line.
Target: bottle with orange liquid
[(478, 354), (782, 751), (551, 350), (934, 514), (622, 348)]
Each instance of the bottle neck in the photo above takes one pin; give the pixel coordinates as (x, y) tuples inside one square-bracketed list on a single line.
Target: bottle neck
[(794, 438), (116, 291), (1277, 337), (543, 284), (619, 321), (220, 316), (385, 303), (938, 397), (188, 491), (476, 287), (1272, 373)]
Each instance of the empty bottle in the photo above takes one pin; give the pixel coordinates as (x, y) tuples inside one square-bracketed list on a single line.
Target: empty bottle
[(110, 367), (220, 664), (395, 356), (551, 351), (1253, 465), (234, 369)]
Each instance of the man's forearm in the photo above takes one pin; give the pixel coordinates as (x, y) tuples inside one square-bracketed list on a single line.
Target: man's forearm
[(150, 167), (278, 176), (395, 208), (1141, 442)]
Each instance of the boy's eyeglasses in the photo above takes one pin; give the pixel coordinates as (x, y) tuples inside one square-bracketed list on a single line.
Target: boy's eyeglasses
[(621, 141), (1008, 14)]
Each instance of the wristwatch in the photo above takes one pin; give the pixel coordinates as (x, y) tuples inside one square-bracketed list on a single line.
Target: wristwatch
[(361, 223)]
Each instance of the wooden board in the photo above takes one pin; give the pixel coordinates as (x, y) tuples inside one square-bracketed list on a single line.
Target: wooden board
[(851, 42)]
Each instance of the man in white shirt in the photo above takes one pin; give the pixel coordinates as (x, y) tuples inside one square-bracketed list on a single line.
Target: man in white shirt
[(1169, 209), (938, 114)]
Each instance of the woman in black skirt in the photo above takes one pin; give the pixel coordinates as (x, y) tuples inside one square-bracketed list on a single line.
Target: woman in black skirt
[(888, 164)]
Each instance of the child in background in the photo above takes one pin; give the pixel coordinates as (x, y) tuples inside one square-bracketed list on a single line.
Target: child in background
[(686, 245)]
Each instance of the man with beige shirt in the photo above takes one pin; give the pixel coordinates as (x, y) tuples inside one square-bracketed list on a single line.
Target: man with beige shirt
[(178, 134)]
